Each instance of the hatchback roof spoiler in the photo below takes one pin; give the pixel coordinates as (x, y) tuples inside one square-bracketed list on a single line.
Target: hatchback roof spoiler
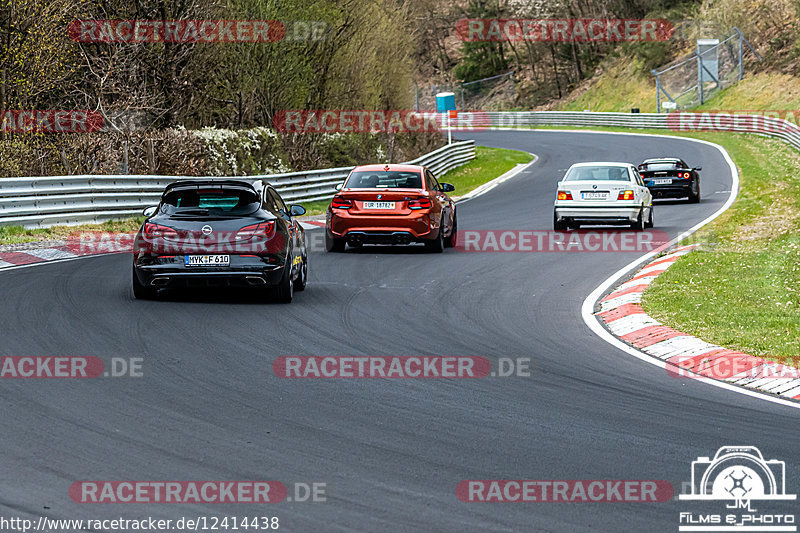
[(210, 183)]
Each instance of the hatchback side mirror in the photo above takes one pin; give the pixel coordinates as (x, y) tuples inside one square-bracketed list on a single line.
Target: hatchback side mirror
[(447, 187), (297, 210), (698, 168), (150, 211)]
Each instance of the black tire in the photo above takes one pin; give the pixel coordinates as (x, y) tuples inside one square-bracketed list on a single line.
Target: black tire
[(140, 292), (639, 225), (558, 226), (332, 244), (436, 245), (302, 277), (284, 292), (695, 198), (650, 220), (452, 240)]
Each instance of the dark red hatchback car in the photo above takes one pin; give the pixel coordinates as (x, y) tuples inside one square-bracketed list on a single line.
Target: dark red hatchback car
[(391, 204)]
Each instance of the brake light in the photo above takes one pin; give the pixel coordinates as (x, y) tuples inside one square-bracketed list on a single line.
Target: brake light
[(420, 203), (264, 229), (155, 231), (685, 175), (341, 203), (564, 195), (625, 195)]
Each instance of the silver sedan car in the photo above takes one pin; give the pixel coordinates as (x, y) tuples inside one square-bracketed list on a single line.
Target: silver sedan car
[(602, 193)]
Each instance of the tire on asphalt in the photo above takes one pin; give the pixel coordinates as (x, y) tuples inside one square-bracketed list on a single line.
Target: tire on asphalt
[(332, 244), (452, 240), (650, 219), (140, 292), (436, 245), (558, 226), (302, 278), (639, 225), (284, 292)]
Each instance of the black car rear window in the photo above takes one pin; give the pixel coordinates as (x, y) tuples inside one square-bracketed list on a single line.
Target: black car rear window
[(212, 201), (384, 179), (650, 167)]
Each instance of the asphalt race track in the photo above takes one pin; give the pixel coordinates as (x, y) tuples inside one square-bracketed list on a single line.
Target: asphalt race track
[(390, 452)]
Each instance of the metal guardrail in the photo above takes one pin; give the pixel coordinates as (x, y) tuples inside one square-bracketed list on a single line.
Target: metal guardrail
[(74, 199), (46, 201), (679, 121)]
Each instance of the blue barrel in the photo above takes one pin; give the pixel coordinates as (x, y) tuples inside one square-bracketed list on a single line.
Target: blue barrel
[(445, 102)]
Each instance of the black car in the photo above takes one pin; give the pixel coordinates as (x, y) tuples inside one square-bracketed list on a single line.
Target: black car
[(670, 177), (221, 233)]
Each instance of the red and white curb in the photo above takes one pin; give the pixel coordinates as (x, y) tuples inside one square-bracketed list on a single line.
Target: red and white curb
[(622, 313)]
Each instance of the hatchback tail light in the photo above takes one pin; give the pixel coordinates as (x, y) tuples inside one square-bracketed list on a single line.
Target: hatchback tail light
[(263, 230), (564, 195), (625, 195), (155, 231), (341, 203), (420, 203)]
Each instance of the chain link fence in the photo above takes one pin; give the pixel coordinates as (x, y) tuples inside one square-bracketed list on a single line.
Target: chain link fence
[(495, 93), (691, 80)]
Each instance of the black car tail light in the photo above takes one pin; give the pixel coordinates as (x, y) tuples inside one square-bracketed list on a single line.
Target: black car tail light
[(155, 231), (264, 230)]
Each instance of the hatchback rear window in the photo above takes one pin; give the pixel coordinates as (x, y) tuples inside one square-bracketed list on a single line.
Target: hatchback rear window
[(601, 173), (232, 202), (649, 167), (384, 180)]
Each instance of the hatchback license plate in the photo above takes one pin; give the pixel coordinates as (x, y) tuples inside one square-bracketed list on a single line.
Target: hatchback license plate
[(207, 260), (594, 195), (378, 205)]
